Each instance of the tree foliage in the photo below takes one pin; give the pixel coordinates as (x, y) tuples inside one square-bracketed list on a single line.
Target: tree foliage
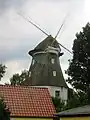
[(79, 66), (59, 104), (75, 99), (18, 79), (2, 70), (4, 112)]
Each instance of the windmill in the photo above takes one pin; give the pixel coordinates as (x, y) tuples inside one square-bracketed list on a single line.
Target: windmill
[(45, 69)]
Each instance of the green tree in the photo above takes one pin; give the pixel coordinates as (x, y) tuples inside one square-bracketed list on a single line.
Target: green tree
[(75, 99), (18, 79), (79, 66), (2, 70), (4, 112), (59, 104)]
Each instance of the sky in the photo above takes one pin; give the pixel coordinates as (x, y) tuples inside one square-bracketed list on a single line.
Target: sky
[(17, 36)]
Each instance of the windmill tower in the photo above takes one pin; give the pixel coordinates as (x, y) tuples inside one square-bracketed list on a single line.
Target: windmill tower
[(45, 69)]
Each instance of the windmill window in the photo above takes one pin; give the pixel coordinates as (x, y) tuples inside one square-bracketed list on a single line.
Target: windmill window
[(57, 93), (52, 60), (54, 73)]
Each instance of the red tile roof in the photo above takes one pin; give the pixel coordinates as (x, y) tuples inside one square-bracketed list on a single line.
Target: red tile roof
[(27, 101)]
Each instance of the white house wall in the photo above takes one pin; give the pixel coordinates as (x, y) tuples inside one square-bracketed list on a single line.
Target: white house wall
[(63, 92), (52, 89)]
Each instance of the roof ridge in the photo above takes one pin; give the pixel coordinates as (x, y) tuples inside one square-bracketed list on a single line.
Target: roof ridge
[(22, 86)]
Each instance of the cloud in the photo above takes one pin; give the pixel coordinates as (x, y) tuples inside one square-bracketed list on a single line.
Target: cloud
[(10, 4)]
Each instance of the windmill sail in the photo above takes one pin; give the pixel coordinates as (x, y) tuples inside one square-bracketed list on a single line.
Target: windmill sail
[(45, 32), (33, 24)]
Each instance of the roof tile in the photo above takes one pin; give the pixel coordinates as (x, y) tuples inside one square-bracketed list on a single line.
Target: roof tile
[(28, 101)]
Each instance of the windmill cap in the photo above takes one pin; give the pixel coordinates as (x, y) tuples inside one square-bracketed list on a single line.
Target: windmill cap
[(49, 41)]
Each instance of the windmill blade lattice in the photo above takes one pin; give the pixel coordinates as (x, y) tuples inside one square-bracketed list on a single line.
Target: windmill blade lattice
[(33, 23), (45, 32)]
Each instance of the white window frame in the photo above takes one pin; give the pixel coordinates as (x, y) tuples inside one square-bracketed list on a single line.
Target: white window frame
[(52, 60), (57, 93), (54, 73)]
